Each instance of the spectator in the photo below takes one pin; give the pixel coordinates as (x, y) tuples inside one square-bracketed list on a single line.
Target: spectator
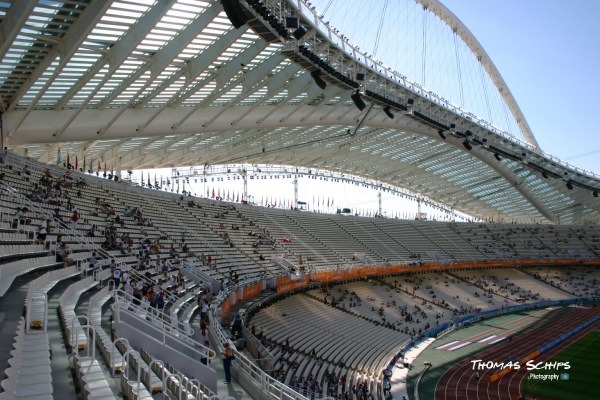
[(19, 218), (74, 219), (93, 261), (205, 359), (236, 329), (116, 275), (43, 232), (227, 359), (62, 255), (92, 231), (160, 301)]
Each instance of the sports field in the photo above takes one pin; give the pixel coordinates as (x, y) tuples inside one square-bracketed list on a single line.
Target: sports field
[(442, 359), (583, 375), (451, 376)]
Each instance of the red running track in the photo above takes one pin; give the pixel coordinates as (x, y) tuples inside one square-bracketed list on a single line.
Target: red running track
[(503, 328), (460, 381)]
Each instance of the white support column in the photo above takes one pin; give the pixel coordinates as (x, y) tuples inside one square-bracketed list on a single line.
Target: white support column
[(118, 172), (245, 175), (295, 182)]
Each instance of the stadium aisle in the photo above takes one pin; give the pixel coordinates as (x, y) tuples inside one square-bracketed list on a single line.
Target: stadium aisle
[(11, 310), (223, 389)]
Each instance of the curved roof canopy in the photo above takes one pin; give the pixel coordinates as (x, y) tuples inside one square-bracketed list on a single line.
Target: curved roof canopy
[(149, 84)]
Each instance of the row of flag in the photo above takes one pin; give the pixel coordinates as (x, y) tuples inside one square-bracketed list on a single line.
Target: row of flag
[(84, 167), (318, 202)]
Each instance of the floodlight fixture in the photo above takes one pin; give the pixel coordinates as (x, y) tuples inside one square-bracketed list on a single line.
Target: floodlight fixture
[(388, 112), (291, 23), (299, 33), (358, 101), (569, 186), (316, 75)]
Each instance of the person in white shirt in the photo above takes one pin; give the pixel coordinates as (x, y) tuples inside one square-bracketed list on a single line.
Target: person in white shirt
[(43, 232), (116, 276), (204, 310), (125, 278)]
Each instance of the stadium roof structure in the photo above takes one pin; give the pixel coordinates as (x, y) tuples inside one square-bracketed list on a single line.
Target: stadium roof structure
[(164, 83)]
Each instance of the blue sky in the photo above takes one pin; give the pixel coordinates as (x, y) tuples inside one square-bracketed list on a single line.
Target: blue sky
[(548, 52)]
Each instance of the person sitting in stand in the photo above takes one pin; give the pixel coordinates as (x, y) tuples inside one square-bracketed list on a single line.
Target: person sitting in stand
[(172, 250), (91, 232), (19, 217), (62, 255), (236, 329), (43, 232), (120, 221)]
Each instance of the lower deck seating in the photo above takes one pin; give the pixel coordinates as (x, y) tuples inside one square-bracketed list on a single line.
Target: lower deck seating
[(10, 271), (29, 373)]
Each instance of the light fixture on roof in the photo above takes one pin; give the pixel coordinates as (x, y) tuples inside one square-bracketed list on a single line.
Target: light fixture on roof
[(569, 185), (409, 106), (595, 193), (497, 157), (299, 33), (467, 145), (316, 75), (442, 134), (291, 22), (358, 101), (235, 13), (388, 111)]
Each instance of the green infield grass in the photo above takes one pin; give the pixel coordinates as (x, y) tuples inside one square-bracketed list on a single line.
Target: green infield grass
[(583, 377)]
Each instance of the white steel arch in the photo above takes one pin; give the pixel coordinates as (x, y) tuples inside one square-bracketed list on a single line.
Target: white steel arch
[(436, 7)]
